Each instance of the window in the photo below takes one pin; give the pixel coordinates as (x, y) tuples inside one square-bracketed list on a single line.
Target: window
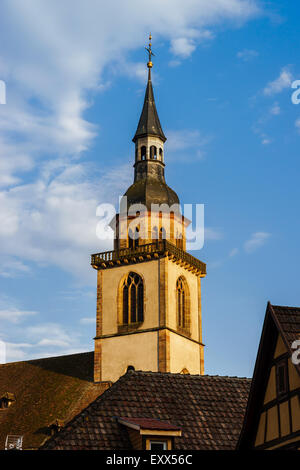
[(133, 238), (179, 241), (4, 403), (136, 237), (133, 299), (160, 154), (158, 445), (153, 152), (183, 304), (143, 152), (130, 238), (6, 400), (155, 233), (162, 234), (281, 377)]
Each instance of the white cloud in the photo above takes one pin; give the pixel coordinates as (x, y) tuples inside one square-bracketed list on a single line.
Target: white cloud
[(135, 70), (233, 252), (212, 234), (73, 294), (87, 321), (275, 110), (258, 128), (11, 267), (13, 315), (256, 240), (53, 220), (49, 67), (247, 54), (44, 340), (182, 47), (297, 124), (53, 342), (283, 81), (54, 61), (10, 312), (174, 63), (16, 351), (186, 145)]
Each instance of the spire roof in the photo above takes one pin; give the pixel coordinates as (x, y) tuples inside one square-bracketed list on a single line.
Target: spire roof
[(149, 123)]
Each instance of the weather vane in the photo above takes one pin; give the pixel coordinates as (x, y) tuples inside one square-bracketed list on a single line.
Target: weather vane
[(149, 50)]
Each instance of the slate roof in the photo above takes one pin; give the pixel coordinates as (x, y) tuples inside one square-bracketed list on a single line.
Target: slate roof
[(149, 123), (208, 409), (151, 190), (45, 390)]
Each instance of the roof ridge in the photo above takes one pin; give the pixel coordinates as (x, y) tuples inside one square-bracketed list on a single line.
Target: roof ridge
[(45, 358), (178, 374), (285, 306)]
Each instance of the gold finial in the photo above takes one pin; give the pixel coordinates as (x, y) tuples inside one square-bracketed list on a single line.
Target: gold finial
[(149, 50)]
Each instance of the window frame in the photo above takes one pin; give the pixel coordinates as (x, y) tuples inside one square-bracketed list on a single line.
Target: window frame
[(164, 443), (129, 317), (183, 305), (282, 365)]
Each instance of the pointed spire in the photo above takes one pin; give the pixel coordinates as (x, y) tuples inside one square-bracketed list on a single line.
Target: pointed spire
[(149, 123)]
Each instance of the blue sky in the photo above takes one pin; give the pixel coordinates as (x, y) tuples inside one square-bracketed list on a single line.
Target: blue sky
[(75, 76)]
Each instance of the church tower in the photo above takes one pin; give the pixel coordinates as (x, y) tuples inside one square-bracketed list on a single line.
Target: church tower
[(148, 287)]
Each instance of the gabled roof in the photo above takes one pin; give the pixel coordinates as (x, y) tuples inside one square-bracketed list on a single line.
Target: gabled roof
[(208, 409), (45, 390), (148, 423), (149, 123), (288, 322), (278, 320)]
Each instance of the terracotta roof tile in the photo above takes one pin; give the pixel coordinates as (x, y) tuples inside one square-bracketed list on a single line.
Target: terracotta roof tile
[(208, 409), (45, 390), (289, 321), (150, 423)]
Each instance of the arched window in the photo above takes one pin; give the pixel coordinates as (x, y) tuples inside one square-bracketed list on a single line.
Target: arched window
[(155, 233), (136, 237), (162, 234), (133, 299), (179, 241), (133, 237), (143, 152), (153, 152), (160, 154), (183, 304), (130, 238)]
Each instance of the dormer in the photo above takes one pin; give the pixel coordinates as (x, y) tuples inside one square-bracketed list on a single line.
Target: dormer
[(150, 434), (6, 400)]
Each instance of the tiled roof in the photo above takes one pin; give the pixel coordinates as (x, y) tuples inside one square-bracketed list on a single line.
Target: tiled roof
[(289, 322), (150, 423), (208, 409), (279, 320), (45, 390)]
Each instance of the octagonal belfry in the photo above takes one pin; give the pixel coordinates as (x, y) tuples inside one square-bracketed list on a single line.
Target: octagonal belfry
[(148, 287)]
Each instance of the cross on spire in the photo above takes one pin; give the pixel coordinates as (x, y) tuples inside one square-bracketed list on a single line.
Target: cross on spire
[(149, 50), (149, 124)]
